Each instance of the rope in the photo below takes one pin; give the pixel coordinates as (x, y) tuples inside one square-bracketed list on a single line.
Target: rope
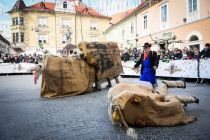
[(129, 131), (121, 116)]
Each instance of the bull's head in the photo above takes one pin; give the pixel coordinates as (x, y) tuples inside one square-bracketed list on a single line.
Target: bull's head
[(76, 53)]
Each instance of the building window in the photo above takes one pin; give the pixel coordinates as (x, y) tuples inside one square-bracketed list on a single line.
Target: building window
[(66, 23), (21, 21), (42, 38), (192, 5), (64, 39), (145, 21), (65, 4), (194, 38), (16, 21), (164, 13), (42, 21), (13, 21), (93, 38), (13, 37), (21, 37), (93, 25), (132, 27), (193, 10), (164, 16), (16, 37)]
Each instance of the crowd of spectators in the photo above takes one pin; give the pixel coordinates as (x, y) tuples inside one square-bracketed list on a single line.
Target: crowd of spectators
[(126, 55), (130, 54), (22, 58), (166, 55), (185, 53)]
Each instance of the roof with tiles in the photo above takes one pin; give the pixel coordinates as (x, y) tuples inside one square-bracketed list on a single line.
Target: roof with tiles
[(84, 10), (120, 16), (41, 6), (147, 4), (49, 7)]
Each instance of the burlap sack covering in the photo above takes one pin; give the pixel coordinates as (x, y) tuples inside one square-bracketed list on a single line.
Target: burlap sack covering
[(62, 77), (141, 107), (105, 57)]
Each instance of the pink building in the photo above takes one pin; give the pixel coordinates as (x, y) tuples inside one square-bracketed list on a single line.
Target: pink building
[(185, 21)]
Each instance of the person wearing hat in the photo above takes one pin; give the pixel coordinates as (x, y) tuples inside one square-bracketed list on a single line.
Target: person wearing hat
[(149, 63)]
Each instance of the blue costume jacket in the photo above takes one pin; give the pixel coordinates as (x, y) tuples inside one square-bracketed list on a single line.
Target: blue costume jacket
[(147, 70)]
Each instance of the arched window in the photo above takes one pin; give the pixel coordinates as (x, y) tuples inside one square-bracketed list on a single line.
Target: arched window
[(194, 38), (64, 4)]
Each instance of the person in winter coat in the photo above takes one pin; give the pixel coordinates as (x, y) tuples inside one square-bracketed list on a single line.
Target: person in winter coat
[(149, 63)]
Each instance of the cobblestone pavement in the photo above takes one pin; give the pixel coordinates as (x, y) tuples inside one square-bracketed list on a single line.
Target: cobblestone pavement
[(25, 116)]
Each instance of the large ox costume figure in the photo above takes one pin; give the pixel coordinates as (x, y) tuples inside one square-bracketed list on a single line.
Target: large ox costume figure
[(139, 105), (88, 64)]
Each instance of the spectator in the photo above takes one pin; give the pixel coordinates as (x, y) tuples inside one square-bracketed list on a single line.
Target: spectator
[(171, 55), (205, 53), (161, 53), (30, 59), (136, 53), (177, 54), (16, 59), (196, 53), (5, 59), (125, 56), (186, 54), (11, 59)]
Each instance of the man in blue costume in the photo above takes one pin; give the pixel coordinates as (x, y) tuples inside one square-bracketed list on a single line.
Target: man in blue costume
[(149, 63)]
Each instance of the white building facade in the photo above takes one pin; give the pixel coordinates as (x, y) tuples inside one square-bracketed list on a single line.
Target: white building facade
[(123, 32)]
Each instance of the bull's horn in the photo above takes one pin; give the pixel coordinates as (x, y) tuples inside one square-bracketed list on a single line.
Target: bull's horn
[(116, 116), (135, 99)]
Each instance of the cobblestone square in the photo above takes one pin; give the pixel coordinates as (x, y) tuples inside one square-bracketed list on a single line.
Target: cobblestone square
[(26, 116)]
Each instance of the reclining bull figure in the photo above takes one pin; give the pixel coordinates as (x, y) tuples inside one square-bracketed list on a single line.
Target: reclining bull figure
[(139, 105)]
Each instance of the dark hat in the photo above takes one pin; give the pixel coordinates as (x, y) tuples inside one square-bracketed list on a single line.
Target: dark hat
[(146, 45), (207, 44)]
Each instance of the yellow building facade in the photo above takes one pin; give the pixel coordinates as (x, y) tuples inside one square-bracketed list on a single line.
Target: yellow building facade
[(54, 25)]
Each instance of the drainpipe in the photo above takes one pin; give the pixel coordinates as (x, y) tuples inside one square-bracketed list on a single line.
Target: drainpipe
[(55, 32), (75, 22), (136, 29)]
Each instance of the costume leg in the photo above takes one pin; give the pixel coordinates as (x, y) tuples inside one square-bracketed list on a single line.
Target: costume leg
[(116, 79), (187, 99), (162, 89), (175, 84), (97, 81), (109, 82)]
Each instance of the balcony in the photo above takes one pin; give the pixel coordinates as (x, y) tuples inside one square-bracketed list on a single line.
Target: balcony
[(193, 16), (16, 27)]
